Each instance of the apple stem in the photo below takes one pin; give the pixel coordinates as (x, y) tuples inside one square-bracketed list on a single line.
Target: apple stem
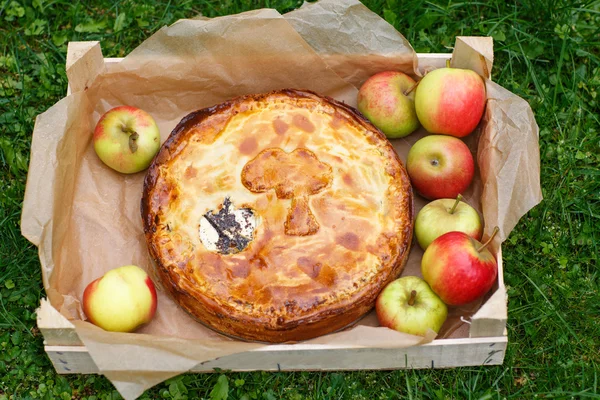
[(413, 87), (126, 129), (132, 142), (413, 296), (448, 63), (458, 199), (483, 246), (133, 136)]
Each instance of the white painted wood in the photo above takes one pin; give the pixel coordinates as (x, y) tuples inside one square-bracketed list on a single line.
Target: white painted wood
[(477, 54), (56, 329), (71, 360), (84, 63), (428, 61), (443, 353), (490, 319), (436, 60)]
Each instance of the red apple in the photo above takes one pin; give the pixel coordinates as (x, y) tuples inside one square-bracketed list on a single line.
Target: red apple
[(409, 305), (121, 300), (443, 216), (440, 166), (459, 268), (126, 139), (387, 100), (450, 101)]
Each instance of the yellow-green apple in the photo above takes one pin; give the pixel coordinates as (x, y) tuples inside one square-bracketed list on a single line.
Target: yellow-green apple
[(121, 300), (126, 139), (440, 166), (450, 101), (459, 268), (446, 215), (387, 100), (408, 305)]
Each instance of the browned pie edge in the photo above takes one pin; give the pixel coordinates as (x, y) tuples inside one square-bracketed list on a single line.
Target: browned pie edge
[(227, 320)]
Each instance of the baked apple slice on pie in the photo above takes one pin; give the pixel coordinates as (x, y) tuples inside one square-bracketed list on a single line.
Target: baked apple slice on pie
[(277, 217)]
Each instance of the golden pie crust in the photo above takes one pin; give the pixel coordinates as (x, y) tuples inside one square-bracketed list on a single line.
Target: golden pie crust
[(332, 201)]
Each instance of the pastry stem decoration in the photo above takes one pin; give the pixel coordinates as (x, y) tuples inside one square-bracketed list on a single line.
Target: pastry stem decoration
[(296, 175)]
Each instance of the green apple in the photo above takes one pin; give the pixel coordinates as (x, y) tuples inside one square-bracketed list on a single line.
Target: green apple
[(387, 100), (446, 215), (450, 101), (459, 268), (126, 139), (409, 305), (121, 300)]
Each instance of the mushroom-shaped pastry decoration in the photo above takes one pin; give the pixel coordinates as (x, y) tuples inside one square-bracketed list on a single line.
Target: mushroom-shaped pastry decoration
[(296, 175)]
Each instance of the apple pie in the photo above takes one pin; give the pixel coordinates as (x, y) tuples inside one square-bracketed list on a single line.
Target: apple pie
[(277, 217)]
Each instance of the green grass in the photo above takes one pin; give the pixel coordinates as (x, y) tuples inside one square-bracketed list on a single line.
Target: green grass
[(546, 52)]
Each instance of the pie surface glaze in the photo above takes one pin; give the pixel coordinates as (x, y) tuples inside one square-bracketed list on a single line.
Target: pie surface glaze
[(277, 217)]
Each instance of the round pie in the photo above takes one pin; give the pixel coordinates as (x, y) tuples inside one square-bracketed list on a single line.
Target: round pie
[(277, 217)]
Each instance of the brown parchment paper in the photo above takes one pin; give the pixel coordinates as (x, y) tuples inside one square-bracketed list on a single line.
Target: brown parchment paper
[(355, 42), (85, 218)]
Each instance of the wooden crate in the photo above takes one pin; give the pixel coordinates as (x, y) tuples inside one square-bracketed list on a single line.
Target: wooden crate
[(486, 344)]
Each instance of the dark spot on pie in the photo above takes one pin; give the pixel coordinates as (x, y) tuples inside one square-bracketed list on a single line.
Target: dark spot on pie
[(190, 172), (240, 270), (248, 146), (258, 262), (280, 126), (337, 121), (347, 179), (309, 267), (348, 240), (303, 123), (290, 305)]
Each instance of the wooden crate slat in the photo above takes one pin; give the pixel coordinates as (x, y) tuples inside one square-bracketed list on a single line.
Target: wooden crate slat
[(490, 319), (445, 353)]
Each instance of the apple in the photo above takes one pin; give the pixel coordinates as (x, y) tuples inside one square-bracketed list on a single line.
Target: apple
[(387, 100), (440, 166), (121, 300), (408, 305), (450, 101), (459, 268), (126, 139), (446, 215)]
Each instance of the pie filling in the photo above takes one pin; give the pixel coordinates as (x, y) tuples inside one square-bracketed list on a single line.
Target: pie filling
[(228, 230)]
